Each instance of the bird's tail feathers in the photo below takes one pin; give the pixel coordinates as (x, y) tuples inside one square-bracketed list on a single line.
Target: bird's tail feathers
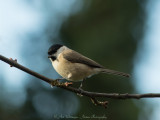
[(113, 72)]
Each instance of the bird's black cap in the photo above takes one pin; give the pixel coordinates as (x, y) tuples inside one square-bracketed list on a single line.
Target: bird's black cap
[(53, 49)]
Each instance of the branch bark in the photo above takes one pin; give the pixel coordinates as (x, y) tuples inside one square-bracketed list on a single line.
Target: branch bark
[(92, 95)]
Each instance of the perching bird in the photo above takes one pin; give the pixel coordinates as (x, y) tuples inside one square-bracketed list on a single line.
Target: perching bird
[(73, 66)]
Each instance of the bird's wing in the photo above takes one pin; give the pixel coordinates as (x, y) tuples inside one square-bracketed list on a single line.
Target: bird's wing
[(76, 57)]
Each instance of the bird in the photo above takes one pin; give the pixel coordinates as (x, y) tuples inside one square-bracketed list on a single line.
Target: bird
[(74, 66)]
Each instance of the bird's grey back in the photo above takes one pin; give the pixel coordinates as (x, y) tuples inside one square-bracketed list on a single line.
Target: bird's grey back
[(76, 57)]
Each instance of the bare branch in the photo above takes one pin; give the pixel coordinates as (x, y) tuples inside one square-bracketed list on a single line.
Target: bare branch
[(15, 64), (96, 102), (92, 95)]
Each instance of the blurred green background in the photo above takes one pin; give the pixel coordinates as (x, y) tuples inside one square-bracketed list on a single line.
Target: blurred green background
[(107, 31)]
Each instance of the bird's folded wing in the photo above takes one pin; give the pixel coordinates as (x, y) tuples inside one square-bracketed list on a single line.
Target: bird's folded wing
[(76, 57)]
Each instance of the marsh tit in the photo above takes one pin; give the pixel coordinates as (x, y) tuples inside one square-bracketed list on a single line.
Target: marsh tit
[(73, 66)]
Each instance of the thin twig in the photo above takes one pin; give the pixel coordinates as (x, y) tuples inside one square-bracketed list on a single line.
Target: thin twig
[(92, 95), (100, 103)]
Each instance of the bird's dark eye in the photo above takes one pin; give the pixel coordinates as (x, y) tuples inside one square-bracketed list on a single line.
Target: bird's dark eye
[(53, 58), (51, 52)]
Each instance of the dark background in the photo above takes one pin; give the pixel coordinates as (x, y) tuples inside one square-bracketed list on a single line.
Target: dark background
[(107, 31)]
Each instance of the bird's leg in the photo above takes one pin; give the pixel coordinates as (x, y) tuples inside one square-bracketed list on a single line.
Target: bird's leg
[(80, 87)]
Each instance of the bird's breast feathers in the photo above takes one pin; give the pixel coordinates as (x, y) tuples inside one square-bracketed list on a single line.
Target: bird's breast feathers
[(71, 71)]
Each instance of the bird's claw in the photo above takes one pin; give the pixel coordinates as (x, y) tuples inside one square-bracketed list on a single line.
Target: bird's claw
[(68, 83), (80, 94)]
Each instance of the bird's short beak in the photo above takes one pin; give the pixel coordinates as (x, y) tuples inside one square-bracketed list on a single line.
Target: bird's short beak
[(49, 56), (52, 57)]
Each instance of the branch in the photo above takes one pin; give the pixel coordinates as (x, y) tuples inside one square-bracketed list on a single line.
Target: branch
[(92, 95)]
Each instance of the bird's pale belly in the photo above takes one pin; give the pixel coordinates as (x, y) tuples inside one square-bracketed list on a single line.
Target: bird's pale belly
[(72, 71)]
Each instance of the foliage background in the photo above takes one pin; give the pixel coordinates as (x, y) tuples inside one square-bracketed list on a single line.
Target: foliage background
[(107, 31)]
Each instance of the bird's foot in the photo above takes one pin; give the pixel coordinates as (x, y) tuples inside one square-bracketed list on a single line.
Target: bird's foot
[(58, 81), (68, 83), (80, 93), (80, 89)]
